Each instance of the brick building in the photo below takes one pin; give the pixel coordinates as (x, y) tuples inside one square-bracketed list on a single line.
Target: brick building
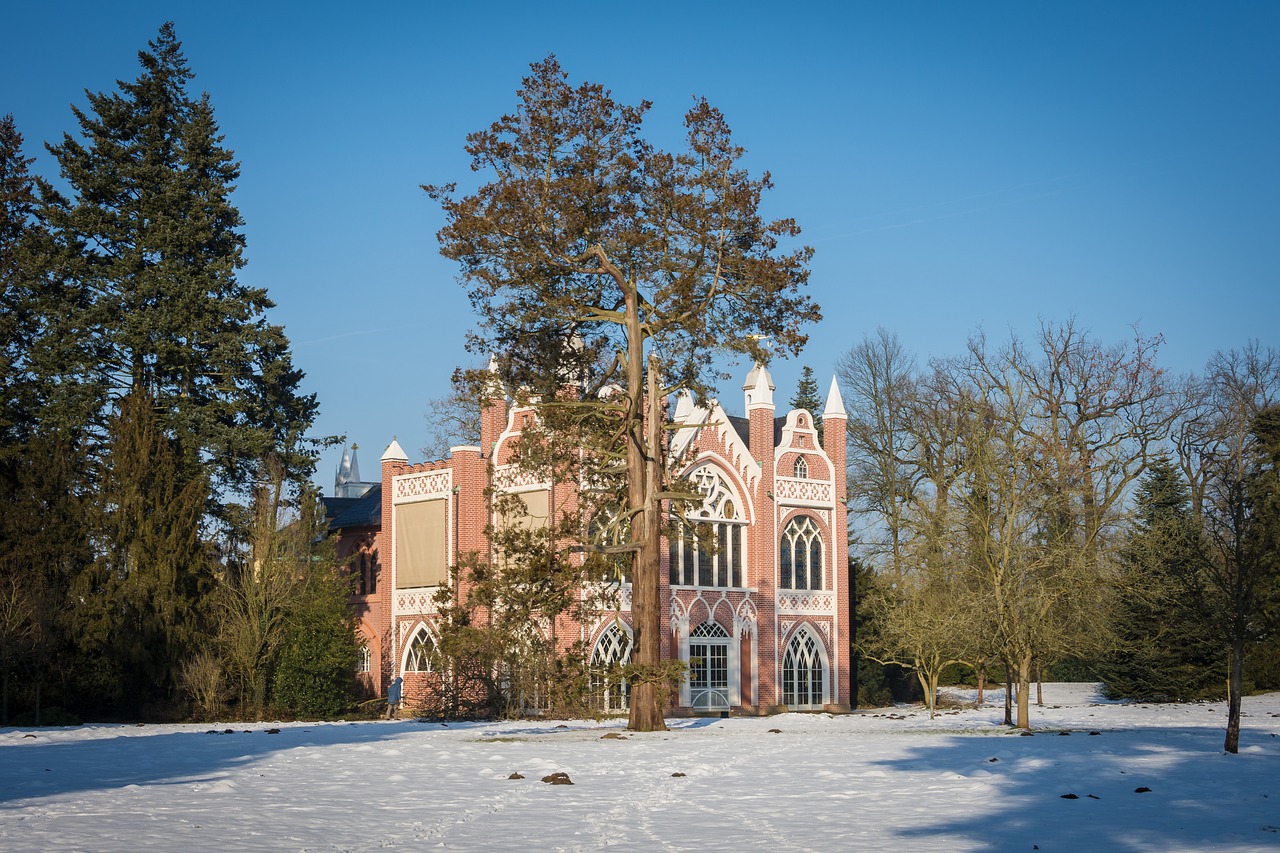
[(764, 619)]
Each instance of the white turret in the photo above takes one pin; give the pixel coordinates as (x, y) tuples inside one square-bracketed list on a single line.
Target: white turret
[(759, 387), (394, 453), (835, 403)]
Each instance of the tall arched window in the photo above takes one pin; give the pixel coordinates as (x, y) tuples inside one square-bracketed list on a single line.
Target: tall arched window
[(709, 667), (421, 651), (708, 548), (606, 529), (800, 555), (802, 672), (356, 571), (364, 659), (802, 468), (613, 650)]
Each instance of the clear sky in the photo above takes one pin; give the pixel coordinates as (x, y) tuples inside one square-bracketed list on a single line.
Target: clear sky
[(955, 165)]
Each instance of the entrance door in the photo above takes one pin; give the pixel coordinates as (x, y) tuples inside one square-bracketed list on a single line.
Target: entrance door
[(709, 668)]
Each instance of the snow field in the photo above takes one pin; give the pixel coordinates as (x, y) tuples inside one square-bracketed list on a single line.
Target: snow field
[(888, 779)]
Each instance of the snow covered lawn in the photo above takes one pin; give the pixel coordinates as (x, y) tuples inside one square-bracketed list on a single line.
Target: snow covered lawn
[(887, 780)]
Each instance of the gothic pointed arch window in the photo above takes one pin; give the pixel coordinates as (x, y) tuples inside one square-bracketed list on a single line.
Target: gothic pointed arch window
[(708, 548), (420, 652), (709, 667), (800, 555), (801, 469), (609, 529), (803, 672), (613, 651), (364, 659)]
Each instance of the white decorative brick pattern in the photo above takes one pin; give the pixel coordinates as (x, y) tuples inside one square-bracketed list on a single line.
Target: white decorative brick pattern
[(807, 491), (509, 478), (416, 601), (426, 484), (806, 602)]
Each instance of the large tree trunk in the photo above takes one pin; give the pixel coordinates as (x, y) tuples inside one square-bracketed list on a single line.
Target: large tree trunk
[(982, 682), (644, 468), (1235, 681)]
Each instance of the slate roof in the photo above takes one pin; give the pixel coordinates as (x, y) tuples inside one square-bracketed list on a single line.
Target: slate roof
[(355, 512), (743, 427)]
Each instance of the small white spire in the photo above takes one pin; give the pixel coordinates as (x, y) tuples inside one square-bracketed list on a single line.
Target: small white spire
[(759, 387), (684, 407), (394, 453), (493, 384), (835, 403)]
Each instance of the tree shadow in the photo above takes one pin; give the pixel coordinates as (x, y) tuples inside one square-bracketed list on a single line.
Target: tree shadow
[(1081, 792), (50, 762), (38, 763)]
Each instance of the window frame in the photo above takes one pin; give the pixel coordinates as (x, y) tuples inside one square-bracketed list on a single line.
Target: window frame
[(802, 529), (716, 520)]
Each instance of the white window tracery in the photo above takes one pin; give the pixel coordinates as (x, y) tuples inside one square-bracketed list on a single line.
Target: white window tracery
[(421, 651), (607, 528), (800, 555), (364, 659), (613, 651), (803, 673), (708, 548), (801, 469)]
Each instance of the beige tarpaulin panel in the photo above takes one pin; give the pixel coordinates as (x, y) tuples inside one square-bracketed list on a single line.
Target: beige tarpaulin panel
[(422, 543), (536, 509)]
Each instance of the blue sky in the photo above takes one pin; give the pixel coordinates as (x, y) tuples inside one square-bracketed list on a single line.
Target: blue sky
[(954, 165)]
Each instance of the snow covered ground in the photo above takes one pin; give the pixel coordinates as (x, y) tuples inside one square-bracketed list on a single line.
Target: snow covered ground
[(887, 780)]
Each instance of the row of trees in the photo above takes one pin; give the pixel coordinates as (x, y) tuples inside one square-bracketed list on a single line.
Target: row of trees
[(153, 435), (1066, 498)]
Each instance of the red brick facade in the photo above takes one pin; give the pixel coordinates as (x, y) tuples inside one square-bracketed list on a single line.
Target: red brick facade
[(765, 620)]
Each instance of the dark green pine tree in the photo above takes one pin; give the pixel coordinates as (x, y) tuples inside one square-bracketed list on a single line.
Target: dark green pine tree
[(135, 610), (315, 673), (807, 398), (150, 242), (1262, 656), (1167, 649), (18, 278)]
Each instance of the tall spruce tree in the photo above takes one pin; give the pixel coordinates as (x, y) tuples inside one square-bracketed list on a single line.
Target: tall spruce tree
[(149, 246), (17, 219), (132, 294), (135, 611), (1167, 649), (807, 398), (43, 537)]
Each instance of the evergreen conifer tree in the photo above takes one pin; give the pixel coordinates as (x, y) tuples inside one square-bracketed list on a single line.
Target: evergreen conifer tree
[(135, 611), (17, 205), (315, 673), (148, 245), (1167, 649), (807, 398)]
